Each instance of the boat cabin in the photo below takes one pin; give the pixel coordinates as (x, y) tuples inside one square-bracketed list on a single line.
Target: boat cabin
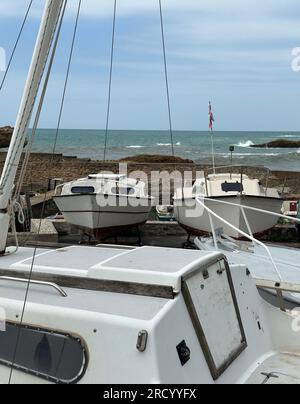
[(145, 315), (217, 185), (109, 184)]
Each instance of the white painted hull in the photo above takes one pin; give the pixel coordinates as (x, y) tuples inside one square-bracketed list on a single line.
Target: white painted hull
[(85, 211), (259, 222)]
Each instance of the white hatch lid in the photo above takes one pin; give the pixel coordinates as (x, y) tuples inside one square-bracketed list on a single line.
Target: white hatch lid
[(153, 266)]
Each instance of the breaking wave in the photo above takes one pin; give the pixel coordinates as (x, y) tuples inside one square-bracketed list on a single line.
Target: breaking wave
[(248, 143), (167, 144)]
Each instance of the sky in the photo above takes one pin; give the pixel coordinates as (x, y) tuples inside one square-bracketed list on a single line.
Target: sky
[(235, 53)]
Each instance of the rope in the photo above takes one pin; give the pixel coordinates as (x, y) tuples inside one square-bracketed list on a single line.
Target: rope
[(110, 78), (39, 230), (18, 208), (16, 45), (166, 75), (14, 231)]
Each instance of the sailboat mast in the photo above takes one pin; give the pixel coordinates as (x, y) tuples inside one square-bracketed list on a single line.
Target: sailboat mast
[(52, 12)]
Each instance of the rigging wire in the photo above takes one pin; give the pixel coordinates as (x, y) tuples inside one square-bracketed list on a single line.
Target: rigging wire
[(110, 78), (16, 45), (166, 74), (37, 117), (43, 209), (67, 76)]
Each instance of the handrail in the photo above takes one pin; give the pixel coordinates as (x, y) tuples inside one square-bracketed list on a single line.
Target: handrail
[(237, 166), (284, 286), (279, 289), (242, 233), (21, 280)]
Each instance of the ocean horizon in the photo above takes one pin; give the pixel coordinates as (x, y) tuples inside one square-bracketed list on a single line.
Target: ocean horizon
[(191, 145)]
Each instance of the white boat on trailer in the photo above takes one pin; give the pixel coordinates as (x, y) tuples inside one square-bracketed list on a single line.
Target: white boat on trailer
[(145, 315), (235, 188), (103, 203)]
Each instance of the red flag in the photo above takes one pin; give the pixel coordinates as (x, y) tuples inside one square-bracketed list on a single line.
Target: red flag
[(211, 117)]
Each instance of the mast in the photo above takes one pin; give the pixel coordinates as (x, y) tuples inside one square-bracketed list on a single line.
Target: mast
[(44, 40)]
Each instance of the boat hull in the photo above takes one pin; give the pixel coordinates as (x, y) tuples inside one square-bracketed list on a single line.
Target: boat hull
[(99, 213), (199, 224)]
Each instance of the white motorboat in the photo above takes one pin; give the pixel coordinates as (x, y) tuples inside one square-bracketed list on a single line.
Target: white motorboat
[(104, 202), (131, 316), (238, 189)]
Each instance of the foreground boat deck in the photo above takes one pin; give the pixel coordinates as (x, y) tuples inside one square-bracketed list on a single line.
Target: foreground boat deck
[(149, 306), (278, 369)]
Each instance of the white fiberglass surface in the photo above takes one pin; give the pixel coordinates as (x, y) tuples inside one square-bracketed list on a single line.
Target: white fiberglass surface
[(287, 260), (78, 258), (83, 301), (167, 260)]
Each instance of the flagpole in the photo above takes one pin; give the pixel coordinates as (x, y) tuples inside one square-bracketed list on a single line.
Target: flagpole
[(213, 151), (211, 127)]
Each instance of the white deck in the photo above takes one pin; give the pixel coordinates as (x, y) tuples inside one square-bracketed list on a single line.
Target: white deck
[(287, 261), (146, 265), (109, 323), (281, 368), (259, 263)]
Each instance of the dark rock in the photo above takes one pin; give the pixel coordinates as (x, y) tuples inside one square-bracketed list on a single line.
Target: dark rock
[(280, 144), (5, 136), (150, 159)]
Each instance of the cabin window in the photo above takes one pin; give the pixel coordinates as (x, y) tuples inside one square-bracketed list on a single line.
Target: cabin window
[(83, 190), (56, 357), (123, 191), (232, 187)]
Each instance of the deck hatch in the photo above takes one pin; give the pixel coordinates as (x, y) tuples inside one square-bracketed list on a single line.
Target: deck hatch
[(213, 308)]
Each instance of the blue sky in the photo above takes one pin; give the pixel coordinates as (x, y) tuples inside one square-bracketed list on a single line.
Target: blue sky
[(236, 53)]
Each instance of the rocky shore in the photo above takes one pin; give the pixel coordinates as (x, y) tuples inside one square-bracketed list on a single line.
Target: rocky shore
[(279, 144), (44, 167)]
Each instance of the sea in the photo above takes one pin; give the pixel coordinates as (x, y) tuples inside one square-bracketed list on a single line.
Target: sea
[(196, 146)]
